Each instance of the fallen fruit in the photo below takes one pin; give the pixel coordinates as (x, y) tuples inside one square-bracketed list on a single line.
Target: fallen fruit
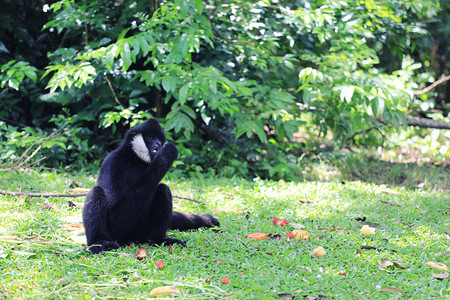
[(318, 252), (142, 253), (258, 236), (300, 234), (276, 221), (159, 264), (437, 265), (164, 290), (225, 280), (366, 229)]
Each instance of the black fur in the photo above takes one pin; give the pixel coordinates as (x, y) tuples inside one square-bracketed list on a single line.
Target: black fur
[(129, 204)]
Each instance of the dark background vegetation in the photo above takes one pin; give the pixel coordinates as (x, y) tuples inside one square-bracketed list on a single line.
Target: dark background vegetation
[(245, 88)]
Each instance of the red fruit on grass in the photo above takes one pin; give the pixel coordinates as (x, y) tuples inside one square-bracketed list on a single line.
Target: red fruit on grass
[(142, 253), (159, 264), (225, 280)]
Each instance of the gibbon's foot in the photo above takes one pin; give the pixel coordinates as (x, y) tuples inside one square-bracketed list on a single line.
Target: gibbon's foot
[(101, 246), (211, 221)]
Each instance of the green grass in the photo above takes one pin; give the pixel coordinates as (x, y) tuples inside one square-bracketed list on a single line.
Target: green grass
[(411, 235)]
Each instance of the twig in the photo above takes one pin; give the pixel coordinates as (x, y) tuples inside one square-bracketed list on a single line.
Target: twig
[(366, 131), (47, 195), (41, 141), (428, 88), (391, 203), (189, 199), (112, 90), (73, 195)]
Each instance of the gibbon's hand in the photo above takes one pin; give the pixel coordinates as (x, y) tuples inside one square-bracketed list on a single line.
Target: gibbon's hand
[(168, 153)]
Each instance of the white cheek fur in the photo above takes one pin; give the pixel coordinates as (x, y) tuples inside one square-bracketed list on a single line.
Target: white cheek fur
[(139, 147)]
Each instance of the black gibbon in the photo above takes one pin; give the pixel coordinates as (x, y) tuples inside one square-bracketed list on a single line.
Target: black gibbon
[(129, 204)]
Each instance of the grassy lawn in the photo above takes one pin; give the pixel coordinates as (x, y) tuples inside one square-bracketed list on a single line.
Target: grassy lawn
[(41, 259)]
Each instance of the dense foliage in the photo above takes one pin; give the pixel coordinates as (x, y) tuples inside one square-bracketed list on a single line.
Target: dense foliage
[(233, 81)]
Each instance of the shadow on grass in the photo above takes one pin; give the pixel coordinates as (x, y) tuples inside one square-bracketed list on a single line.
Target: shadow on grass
[(381, 172)]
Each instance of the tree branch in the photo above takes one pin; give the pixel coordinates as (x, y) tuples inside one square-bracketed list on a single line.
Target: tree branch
[(434, 84), (427, 123)]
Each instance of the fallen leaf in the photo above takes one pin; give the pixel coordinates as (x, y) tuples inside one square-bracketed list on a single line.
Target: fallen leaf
[(38, 239), (437, 265), (258, 236), (297, 225), (286, 296), (318, 252), (276, 237), (142, 253), (159, 264), (229, 294), (440, 276), (300, 234), (9, 238), (342, 273), (304, 202), (51, 206), (391, 203), (75, 204), (392, 289), (218, 262), (164, 290), (79, 190), (385, 263), (369, 247), (225, 280), (337, 228), (71, 226)]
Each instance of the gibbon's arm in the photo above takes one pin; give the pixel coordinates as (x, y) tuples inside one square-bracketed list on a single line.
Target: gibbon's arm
[(158, 167)]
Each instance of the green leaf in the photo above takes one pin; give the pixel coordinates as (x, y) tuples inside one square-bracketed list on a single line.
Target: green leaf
[(125, 54), (169, 84), (30, 73), (110, 55), (347, 93), (145, 48), (183, 94), (259, 129), (199, 6), (188, 111)]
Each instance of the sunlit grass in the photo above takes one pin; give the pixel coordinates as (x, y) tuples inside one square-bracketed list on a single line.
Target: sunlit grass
[(410, 234)]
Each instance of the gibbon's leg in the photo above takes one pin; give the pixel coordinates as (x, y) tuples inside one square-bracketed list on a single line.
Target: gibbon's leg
[(95, 222), (186, 221), (157, 221)]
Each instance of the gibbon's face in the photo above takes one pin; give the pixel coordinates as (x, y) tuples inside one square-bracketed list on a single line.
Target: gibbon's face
[(145, 147)]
